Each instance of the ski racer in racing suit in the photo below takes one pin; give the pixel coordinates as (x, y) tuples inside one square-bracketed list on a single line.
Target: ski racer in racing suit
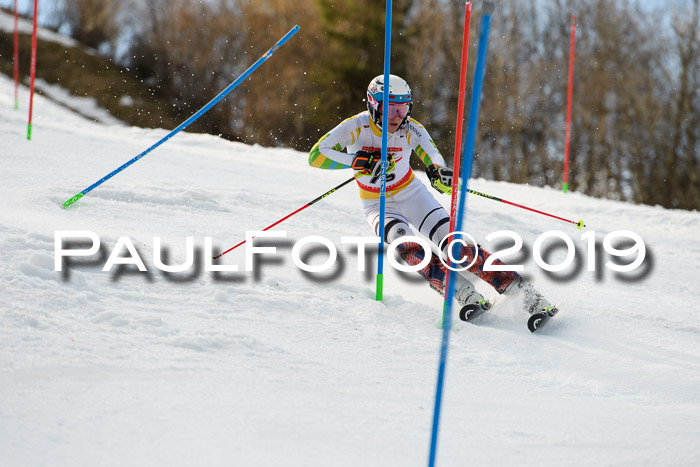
[(357, 142)]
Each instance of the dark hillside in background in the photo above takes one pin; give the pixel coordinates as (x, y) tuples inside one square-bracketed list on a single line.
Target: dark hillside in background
[(86, 74), (635, 132)]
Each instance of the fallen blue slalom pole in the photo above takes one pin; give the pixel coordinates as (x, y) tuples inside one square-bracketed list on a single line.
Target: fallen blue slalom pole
[(190, 120), (468, 152)]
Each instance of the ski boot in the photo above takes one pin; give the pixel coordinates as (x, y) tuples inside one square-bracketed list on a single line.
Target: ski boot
[(538, 307), (533, 301)]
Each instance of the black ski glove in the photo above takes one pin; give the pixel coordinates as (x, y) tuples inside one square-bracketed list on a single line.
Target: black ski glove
[(370, 163), (440, 178), (365, 160)]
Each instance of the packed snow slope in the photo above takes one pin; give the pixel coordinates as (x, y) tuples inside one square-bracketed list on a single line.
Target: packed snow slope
[(275, 367)]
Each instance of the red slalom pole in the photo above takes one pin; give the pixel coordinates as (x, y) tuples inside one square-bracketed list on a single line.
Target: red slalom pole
[(16, 61), (458, 135), (33, 73), (565, 184), (332, 190)]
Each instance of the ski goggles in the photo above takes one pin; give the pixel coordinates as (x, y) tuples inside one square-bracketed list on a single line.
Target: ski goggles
[(398, 109)]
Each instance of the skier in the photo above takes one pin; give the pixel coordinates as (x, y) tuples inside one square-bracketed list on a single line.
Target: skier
[(407, 199)]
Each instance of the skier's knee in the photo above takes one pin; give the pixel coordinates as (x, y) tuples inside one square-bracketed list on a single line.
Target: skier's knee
[(395, 229)]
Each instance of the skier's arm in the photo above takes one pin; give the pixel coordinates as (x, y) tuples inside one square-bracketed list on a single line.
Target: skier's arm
[(439, 175), (423, 145), (328, 153)]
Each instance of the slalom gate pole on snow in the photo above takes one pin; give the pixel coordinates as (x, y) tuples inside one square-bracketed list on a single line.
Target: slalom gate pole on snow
[(291, 214), (385, 131), (33, 73), (579, 224), (458, 135), (565, 178), (16, 60), (189, 121), (466, 173)]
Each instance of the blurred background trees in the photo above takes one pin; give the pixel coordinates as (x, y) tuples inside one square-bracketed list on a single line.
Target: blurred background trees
[(636, 111)]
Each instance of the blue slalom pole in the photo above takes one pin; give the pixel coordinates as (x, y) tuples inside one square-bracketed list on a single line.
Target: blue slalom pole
[(190, 120), (466, 173), (385, 131)]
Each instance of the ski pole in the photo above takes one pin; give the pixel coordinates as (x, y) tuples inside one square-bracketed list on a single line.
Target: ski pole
[(578, 224), (291, 214), (194, 117)]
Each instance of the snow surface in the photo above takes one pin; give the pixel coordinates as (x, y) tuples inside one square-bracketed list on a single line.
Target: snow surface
[(275, 367), (85, 106)]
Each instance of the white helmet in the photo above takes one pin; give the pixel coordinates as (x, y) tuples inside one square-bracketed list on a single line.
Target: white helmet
[(399, 91)]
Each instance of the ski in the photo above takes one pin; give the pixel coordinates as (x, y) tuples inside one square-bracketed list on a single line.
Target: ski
[(469, 312), (538, 320)]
